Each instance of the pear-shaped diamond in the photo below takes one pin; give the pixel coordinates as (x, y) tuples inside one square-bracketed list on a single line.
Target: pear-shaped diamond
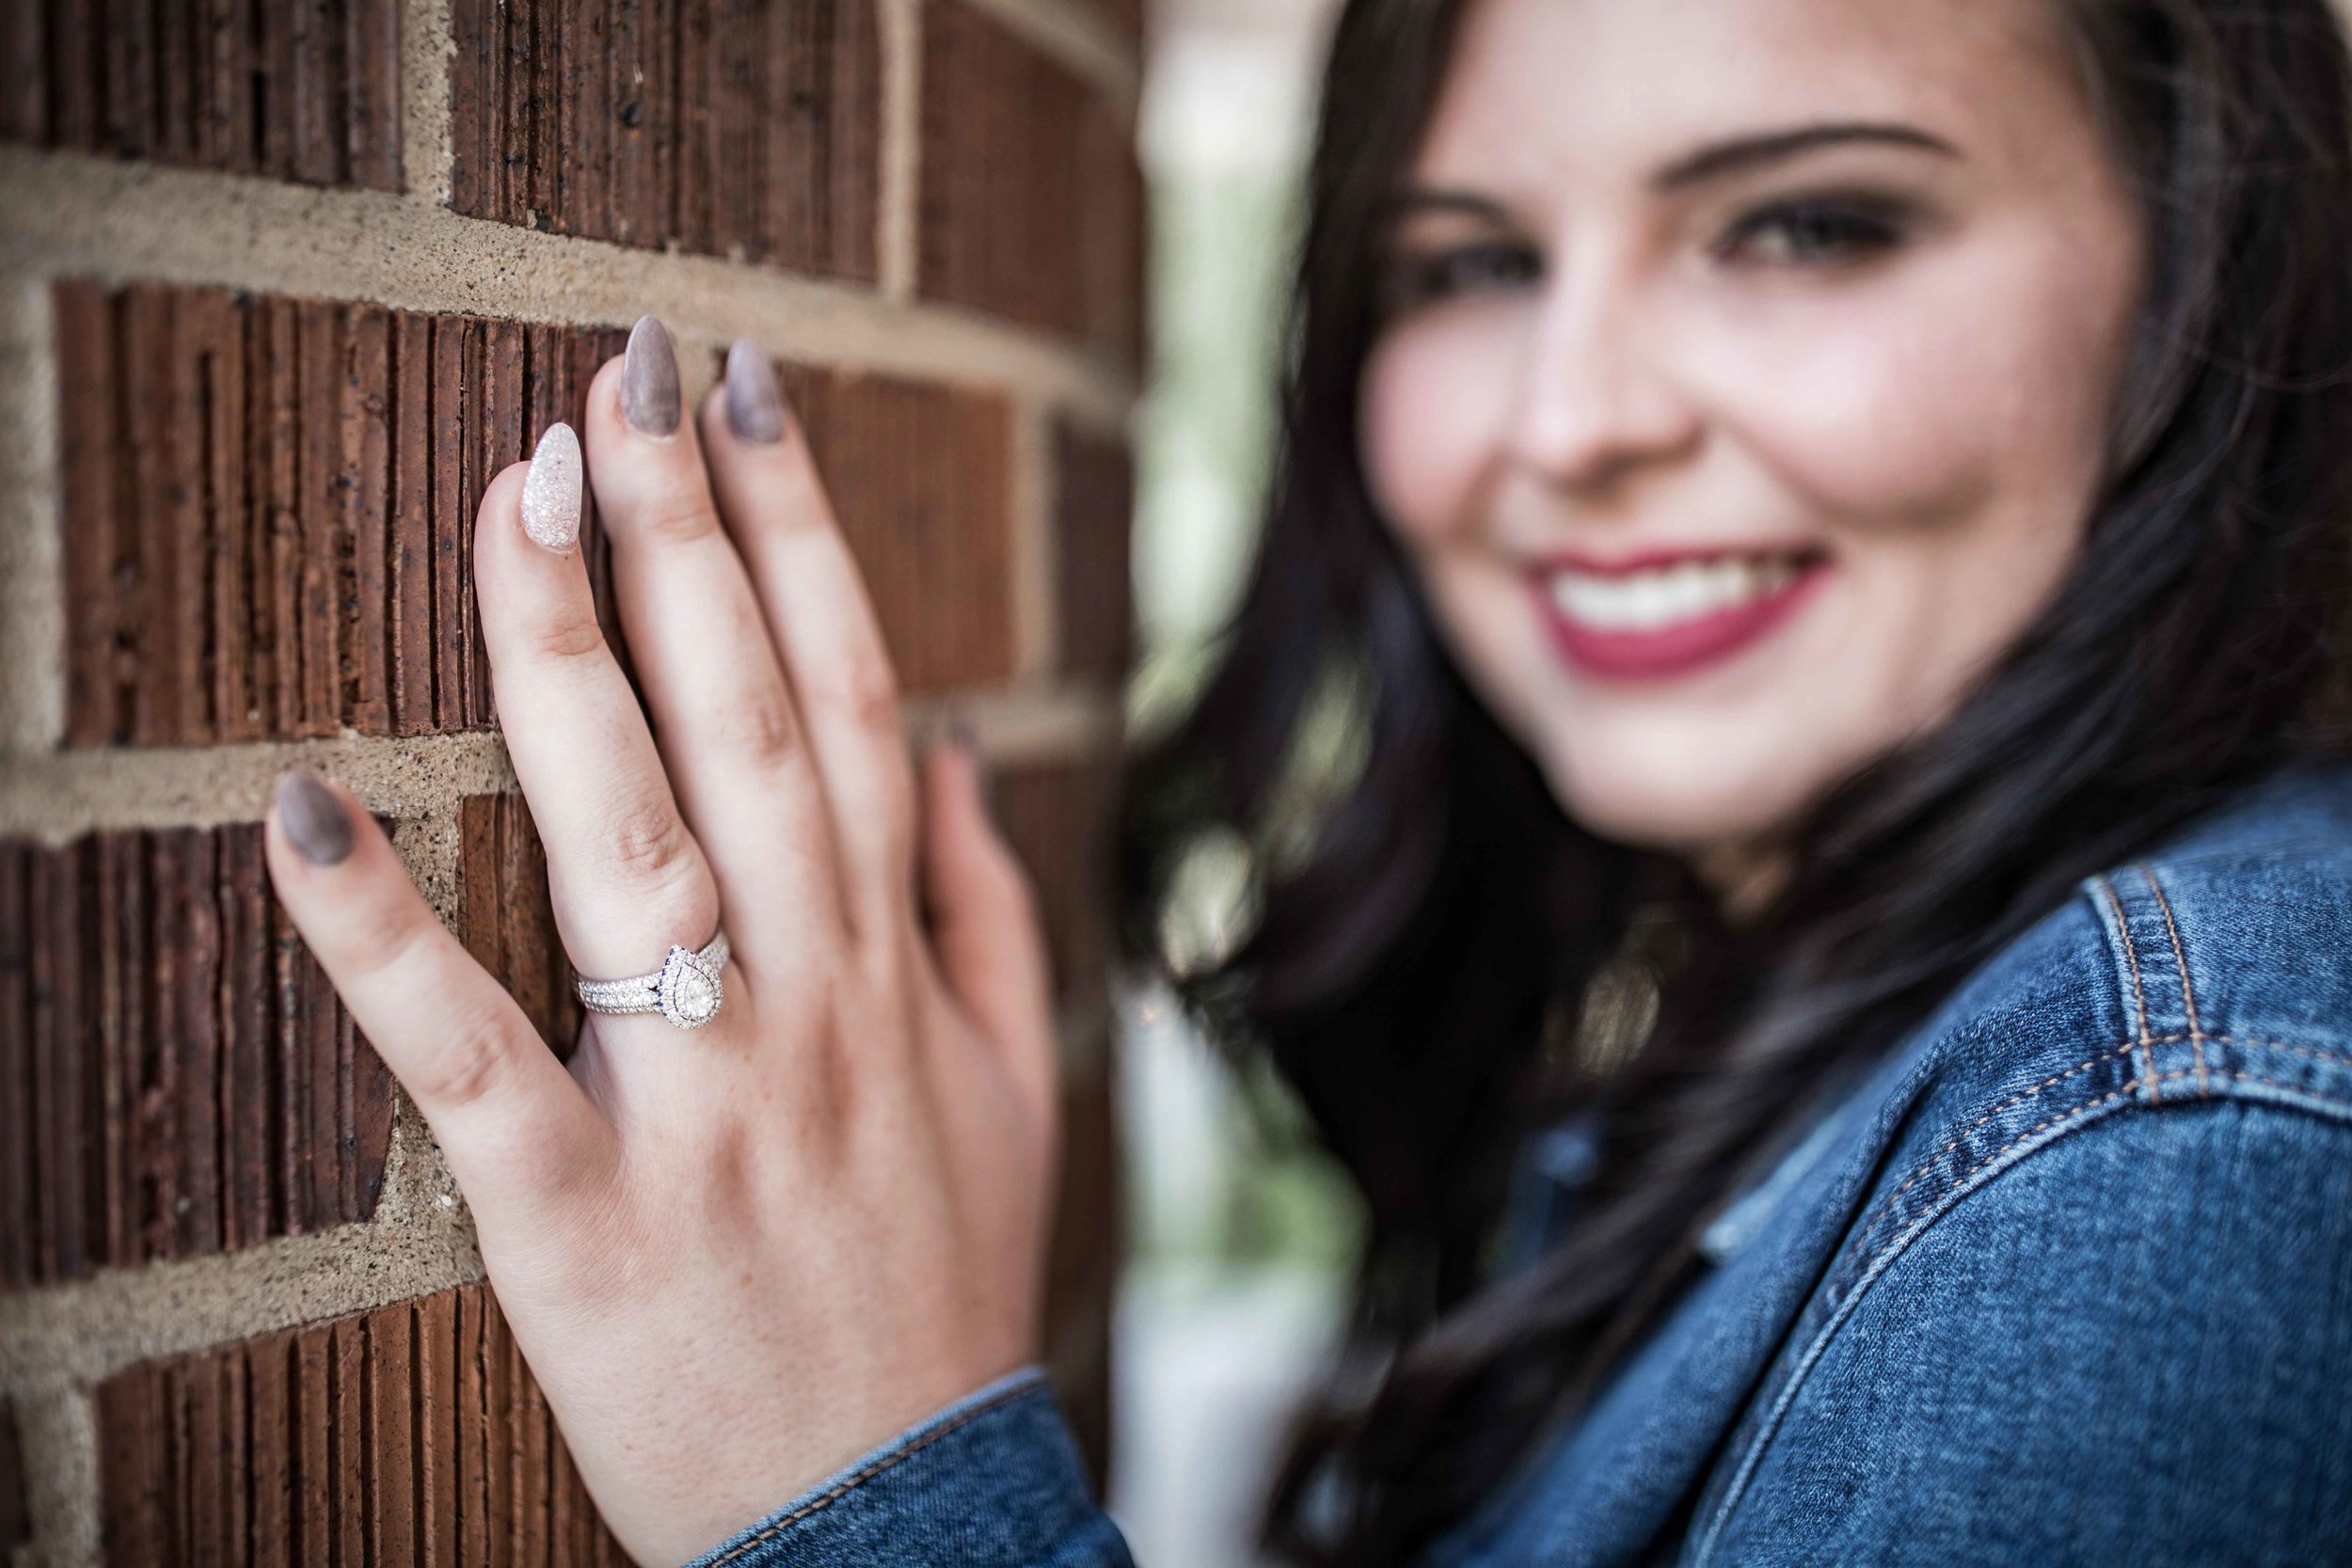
[(689, 989)]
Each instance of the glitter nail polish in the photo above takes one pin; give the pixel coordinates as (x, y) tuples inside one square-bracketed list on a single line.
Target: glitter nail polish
[(551, 490)]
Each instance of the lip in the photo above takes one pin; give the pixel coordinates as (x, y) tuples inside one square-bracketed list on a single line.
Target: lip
[(1665, 555), (1682, 647)]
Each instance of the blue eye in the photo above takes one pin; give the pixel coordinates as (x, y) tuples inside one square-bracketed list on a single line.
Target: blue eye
[(1473, 268), (1813, 232)]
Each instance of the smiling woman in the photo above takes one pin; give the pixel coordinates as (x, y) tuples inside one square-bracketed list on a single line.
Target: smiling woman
[(1833, 968), (1796, 393), (1831, 514)]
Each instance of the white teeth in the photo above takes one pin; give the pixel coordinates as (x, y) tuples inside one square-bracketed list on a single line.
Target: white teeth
[(1645, 601)]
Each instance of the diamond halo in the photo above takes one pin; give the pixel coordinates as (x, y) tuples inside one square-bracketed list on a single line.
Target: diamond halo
[(689, 989), (686, 989)]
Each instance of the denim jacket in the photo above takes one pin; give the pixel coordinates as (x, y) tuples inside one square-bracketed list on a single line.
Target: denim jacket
[(2065, 1277)]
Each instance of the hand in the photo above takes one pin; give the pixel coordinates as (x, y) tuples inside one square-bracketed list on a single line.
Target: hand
[(738, 1257)]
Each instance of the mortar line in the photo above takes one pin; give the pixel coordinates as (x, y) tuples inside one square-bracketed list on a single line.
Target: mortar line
[(82, 1331), (32, 590), (79, 214), (428, 46), (54, 796), (57, 1440), (419, 1241), (59, 796), (1082, 40), (897, 215)]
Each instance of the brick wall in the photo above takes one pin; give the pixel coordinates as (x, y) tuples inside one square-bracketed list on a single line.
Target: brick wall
[(282, 282)]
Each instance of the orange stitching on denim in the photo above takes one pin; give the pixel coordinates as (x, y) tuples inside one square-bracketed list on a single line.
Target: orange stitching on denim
[(1880, 1256), (2017, 1098), (884, 1462), (2154, 1079), (2274, 1083), (2180, 959), (2139, 996), (2317, 1056)]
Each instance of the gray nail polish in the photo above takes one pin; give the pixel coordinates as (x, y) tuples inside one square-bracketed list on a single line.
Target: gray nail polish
[(755, 403), (315, 822), (551, 490), (649, 394)]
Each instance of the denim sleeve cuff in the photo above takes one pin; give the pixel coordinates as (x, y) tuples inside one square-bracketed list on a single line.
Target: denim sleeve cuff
[(993, 1480)]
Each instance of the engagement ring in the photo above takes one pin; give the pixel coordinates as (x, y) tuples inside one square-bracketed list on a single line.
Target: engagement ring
[(685, 990)]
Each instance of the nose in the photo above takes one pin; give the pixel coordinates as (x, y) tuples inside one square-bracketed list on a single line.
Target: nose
[(1597, 402)]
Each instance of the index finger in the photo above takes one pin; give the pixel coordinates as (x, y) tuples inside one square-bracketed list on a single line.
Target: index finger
[(513, 1123)]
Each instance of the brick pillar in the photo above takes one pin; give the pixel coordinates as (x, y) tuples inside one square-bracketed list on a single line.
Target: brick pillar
[(282, 282)]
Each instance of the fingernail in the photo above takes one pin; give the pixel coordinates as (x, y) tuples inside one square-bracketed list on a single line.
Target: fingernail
[(754, 402), (315, 822), (649, 396), (551, 490)]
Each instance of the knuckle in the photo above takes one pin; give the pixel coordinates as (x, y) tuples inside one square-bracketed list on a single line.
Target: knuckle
[(865, 688), (473, 1060), (677, 517), (759, 727), (562, 638), (650, 844)]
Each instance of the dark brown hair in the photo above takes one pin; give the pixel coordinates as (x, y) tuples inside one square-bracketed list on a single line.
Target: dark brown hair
[(1435, 955)]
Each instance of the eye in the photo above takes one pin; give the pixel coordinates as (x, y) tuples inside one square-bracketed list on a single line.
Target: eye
[(1474, 267), (1816, 232)]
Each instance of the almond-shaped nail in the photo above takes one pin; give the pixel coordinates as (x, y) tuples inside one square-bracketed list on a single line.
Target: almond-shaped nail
[(315, 822), (649, 395), (755, 403), (551, 490)]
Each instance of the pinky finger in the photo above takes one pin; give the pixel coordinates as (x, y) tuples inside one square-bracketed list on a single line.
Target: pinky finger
[(985, 923), (514, 1125)]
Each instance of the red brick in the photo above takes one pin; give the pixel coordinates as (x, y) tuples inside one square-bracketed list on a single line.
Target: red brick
[(920, 478), (504, 917), (179, 1077), (1057, 817), (307, 92), (1091, 520), (269, 508), (1124, 15), (16, 1519), (375, 1439), (729, 127), (1032, 194), (1082, 1264)]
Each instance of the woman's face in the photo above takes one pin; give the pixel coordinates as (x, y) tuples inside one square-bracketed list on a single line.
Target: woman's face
[(1745, 384)]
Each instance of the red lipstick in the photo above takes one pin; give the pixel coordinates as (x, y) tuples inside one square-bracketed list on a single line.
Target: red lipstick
[(1624, 653)]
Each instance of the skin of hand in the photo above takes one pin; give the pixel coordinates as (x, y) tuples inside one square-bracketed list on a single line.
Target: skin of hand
[(737, 1257)]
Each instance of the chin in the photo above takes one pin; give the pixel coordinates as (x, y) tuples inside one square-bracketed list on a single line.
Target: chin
[(1678, 800)]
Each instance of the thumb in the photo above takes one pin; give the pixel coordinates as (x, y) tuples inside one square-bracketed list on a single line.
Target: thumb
[(984, 918)]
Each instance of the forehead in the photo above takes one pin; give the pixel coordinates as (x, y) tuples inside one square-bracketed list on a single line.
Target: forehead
[(1544, 91)]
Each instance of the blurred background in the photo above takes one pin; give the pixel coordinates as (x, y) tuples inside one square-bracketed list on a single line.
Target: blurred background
[(1240, 1236)]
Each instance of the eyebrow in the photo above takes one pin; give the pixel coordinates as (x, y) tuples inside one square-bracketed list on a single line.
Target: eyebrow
[(1711, 161), (1746, 153)]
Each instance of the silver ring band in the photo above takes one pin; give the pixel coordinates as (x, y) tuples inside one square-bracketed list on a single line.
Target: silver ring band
[(685, 990)]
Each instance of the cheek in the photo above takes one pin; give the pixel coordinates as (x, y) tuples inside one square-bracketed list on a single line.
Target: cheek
[(1433, 397), (1967, 387)]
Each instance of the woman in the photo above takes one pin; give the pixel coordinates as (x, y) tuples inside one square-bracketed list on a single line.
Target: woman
[(1833, 970)]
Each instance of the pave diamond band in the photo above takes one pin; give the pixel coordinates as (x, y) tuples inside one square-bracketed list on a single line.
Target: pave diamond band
[(685, 990)]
